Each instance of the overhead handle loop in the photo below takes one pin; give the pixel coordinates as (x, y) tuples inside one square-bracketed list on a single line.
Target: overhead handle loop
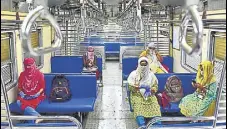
[(197, 24), (26, 29)]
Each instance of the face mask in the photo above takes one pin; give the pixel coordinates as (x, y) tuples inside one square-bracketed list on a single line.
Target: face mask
[(151, 49)]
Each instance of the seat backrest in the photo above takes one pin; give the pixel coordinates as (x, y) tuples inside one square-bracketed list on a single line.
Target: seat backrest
[(81, 85), (99, 63), (70, 64), (129, 64), (186, 79), (66, 64), (109, 46), (168, 61)]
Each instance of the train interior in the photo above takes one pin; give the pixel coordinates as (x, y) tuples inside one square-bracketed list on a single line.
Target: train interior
[(57, 33)]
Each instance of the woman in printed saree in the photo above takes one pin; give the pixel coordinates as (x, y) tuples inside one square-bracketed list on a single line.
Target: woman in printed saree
[(155, 59), (202, 101), (90, 64), (143, 85), (31, 88)]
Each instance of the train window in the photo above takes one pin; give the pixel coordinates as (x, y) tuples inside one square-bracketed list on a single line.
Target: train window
[(8, 59), (190, 63), (36, 41), (219, 52)]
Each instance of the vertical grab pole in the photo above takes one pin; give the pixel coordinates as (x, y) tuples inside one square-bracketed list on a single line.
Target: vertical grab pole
[(139, 21), (6, 99)]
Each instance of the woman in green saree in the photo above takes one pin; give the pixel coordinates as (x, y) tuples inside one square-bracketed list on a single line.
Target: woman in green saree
[(202, 101), (143, 85)]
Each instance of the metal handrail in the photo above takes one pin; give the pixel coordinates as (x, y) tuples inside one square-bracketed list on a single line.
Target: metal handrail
[(6, 100), (123, 55), (139, 21), (158, 119), (219, 92), (72, 119)]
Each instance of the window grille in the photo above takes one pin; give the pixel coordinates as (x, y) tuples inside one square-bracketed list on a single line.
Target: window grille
[(190, 63), (8, 59), (219, 52)]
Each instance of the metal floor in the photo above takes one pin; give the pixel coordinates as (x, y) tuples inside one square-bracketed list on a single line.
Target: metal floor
[(111, 109)]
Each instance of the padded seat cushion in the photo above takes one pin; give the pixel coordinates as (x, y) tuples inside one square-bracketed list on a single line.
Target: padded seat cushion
[(72, 106)]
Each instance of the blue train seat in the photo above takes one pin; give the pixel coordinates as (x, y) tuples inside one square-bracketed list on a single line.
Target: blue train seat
[(185, 78), (112, 48), (130, 63), (70, 64), (84, 94)]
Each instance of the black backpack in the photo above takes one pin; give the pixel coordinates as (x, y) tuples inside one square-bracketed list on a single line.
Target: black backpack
[(60, 91)]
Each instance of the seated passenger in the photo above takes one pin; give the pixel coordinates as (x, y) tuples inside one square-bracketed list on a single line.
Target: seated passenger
[(172, 93), (143, 85), (89, 63), (202, 101), (155, 59), (31, 86)]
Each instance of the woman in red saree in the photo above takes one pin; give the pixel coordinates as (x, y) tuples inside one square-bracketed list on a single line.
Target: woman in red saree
[(31, 88)]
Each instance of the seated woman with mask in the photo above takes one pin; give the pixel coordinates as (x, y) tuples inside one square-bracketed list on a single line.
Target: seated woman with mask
[(155, 59), (143, 85), (31, 86), (89, 63), (202, 101)]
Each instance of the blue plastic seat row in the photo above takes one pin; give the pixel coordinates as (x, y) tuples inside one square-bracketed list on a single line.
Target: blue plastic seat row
[(130, 63), (112, 48), (70, 64), (185, 78), (84, 91)]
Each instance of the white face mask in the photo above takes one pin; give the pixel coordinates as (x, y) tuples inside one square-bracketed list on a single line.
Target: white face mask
[(143, 70)]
